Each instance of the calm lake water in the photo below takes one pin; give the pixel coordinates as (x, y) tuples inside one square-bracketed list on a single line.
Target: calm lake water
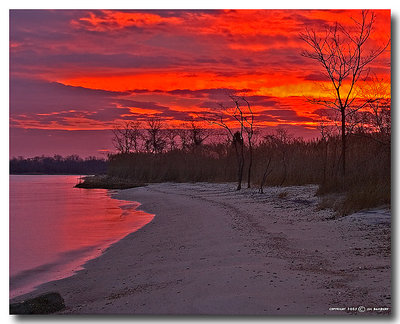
[(55, 228)]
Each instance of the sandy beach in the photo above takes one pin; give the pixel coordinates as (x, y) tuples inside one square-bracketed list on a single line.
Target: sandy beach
[(213, 250)]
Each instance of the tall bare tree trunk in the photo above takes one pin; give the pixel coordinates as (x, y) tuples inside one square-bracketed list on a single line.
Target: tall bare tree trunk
[(239, 150), (250, 164), (240, 162), (240, 176), (343, 146), (325, 165)]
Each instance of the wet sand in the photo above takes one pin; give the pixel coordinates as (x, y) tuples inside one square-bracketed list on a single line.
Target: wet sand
[(213, 250)]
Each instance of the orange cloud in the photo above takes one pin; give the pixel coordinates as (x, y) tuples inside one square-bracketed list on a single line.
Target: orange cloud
[(169, 54), (114, 20)]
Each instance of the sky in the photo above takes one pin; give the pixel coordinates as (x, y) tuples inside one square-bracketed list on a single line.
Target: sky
[(75, 74)]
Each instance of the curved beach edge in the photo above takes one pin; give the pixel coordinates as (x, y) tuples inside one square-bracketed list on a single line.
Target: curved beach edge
[(213, 250)]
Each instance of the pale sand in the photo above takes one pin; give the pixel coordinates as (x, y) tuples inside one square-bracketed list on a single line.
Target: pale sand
[(213, 250)]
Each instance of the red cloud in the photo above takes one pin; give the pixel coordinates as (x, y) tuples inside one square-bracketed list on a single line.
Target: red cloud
[(107, 20), (77, 69)]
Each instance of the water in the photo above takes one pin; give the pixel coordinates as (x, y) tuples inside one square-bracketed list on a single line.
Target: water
[(55, 228)]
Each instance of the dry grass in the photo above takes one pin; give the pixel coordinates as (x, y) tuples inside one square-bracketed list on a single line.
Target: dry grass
[(364, 197), (367, 182), (368, 196)]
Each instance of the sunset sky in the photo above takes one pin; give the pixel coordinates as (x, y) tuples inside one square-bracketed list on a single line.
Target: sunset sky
[(75, 74)]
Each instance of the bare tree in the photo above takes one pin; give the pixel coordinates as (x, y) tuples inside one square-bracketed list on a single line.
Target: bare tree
[(184, 138), (126, 137), (237, 142), (245, 116), (235, 137), (192, 136), (170, 138), (155, 141), (197, 134), (280, 141), (342, 54), (377, 95)]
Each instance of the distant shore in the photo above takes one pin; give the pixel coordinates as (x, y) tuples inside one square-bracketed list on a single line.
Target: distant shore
[(213, 250), (51, 174)]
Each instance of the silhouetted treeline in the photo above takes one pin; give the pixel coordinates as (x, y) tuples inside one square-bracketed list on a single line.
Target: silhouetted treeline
[(279, 160), (72, 164)]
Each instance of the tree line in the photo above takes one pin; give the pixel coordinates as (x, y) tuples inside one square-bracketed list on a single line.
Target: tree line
[(57, 164), (277, 159)]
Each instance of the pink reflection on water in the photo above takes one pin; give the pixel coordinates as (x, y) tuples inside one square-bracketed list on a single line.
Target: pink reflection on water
[(55, 228)]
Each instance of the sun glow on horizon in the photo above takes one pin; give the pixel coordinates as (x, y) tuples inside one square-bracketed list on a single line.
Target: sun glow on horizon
[(92, 69)]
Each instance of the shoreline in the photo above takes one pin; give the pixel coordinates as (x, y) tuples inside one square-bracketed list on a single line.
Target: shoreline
[(75, 262), (94, 221), (212, 250)]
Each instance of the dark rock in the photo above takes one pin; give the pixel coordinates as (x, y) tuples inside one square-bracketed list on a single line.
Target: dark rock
[(43, 304)]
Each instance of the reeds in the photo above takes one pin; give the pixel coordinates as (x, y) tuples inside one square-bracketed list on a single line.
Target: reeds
[(366, 183)]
